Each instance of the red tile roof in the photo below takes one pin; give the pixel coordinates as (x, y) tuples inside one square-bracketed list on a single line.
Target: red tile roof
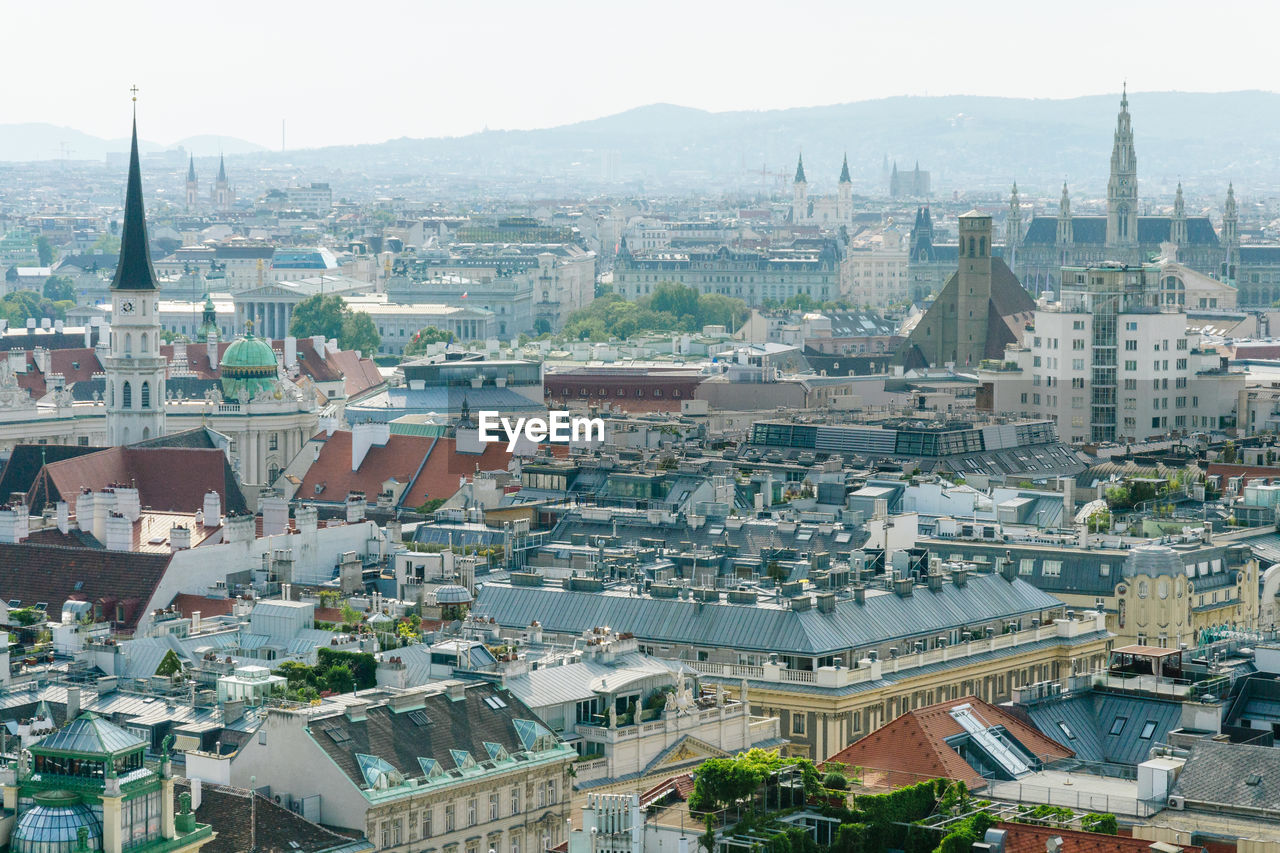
[(429, 466), (168, 479), (1029, 838), (399, 459), (54, 574), (914, 744), (187, 603), (359, 374)]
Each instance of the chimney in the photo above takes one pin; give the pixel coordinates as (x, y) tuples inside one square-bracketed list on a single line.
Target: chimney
[(104, 503), (860, 593), (88, 336), (239, 528), (290, 352), (179, 538), (73, 702), (317, 344), (128, 502), (960, 576), (364, 436), (59, 326), (211, 349), (355, 507), (212, 509), (826, 602), (275, 515), (197, 793), (307, 518), (935, 582), (119, 533), (195, 621), (64, 516), (15, 524)]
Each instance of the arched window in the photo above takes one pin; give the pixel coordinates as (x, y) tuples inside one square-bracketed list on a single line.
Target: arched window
[(142, 343), (971, 247), (273, 471), (982, 247), (146, 395), (128, 343), (127, 396), (111, 394)]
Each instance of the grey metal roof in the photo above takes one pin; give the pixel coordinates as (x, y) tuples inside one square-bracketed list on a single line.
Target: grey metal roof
[(765, 627), (1231, 775), (1153, 561), (91, 734), (1107, 726), (558, 685)]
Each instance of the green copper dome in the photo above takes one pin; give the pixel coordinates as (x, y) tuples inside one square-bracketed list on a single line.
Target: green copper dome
[(249, 363)]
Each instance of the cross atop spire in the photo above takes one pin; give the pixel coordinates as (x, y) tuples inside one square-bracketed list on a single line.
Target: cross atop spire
[(134, 270)]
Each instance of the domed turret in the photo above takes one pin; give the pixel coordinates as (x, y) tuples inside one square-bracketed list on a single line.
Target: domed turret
[(249, 363)]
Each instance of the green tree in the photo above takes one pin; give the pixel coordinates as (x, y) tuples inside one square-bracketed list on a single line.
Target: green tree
[(170, 664), (1105, 823), (424, 338), (359, 333), (675, 299), (45, 250), (321, 314), (107, 243), (339, 679), (59, 288), (707, 840)]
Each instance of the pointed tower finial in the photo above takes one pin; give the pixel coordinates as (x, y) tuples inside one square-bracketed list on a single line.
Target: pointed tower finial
[(844, 171), (800, 170), (1124, 95), (134, 270)]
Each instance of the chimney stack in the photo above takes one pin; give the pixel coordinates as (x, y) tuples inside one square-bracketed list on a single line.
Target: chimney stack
[(275, 515), (355, 507), (179, 538), (119, 533), (212, 509)]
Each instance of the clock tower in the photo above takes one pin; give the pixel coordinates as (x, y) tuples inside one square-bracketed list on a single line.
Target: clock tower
[(135, 369)]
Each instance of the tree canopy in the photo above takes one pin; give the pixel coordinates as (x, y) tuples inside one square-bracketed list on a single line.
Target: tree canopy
[(327, 314), (60, 288), (424, 338), (672, 307)]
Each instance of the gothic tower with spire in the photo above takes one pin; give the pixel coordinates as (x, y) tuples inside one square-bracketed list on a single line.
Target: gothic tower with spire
[(844, 189), (1122, 192), (799, 194), (1065, 235), (1230, 236), (1178, 225), (223, 195), (135, 369), (1013, 227), (193, 186)]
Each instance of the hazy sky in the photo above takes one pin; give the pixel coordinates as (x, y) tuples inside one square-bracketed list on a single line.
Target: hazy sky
[(350, 72)]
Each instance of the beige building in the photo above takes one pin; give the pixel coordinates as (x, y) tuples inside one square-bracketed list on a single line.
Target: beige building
[(454, 767)]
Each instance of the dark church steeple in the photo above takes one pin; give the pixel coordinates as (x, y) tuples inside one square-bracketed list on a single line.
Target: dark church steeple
[(134, 271)]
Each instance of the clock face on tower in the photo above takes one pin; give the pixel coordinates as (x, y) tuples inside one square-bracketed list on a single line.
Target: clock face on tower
[(126, 307)]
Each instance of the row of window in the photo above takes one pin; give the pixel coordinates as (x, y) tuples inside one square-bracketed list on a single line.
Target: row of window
[(422, 825)]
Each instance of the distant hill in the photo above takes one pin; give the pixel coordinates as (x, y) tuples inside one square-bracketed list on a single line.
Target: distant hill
[(969, 143), (42, 141)]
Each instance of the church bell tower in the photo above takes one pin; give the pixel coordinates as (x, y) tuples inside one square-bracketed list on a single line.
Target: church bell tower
[(135, 369)]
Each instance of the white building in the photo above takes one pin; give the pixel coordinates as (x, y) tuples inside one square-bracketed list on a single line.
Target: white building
[(1113, 360)]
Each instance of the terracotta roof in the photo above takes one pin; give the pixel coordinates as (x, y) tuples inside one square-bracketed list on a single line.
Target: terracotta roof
[(681, 786), (914, 744), (187, 603), (1250, 473), (153, 470), (429, 466), (359, 374), (53, 574), (1029, 838)]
